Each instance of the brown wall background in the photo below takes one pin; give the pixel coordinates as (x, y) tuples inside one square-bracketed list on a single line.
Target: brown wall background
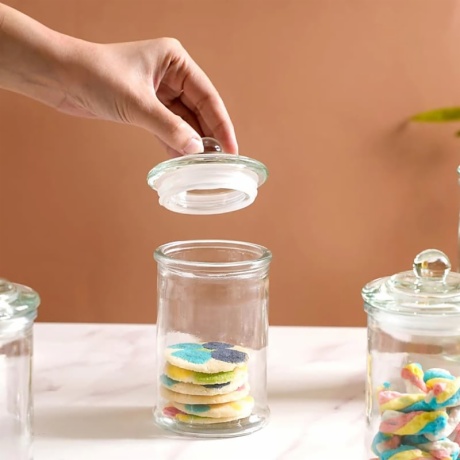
[(319, 90)]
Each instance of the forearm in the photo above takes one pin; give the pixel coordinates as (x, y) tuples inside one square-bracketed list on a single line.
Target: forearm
[(32, 57), (153, 84)]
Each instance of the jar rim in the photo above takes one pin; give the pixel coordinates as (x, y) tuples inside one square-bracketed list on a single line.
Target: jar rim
[(165, 253)]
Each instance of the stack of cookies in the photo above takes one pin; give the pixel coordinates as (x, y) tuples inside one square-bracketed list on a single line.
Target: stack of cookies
[(206, 383)]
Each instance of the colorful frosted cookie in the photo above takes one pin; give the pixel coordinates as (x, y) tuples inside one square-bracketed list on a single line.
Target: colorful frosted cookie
[(238, 409), (194, 419), (240, 377), (207, 357), (240, 393), (201, 378)]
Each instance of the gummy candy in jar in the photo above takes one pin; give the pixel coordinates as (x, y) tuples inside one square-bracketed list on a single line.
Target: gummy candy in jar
[(413, 373)]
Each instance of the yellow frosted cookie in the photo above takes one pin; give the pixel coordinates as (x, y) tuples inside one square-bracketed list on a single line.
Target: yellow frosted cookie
[(239, 409), (240, 393), (194, 419)]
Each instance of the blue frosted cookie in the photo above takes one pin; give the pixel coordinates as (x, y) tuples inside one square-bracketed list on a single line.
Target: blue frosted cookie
[(207, 357)]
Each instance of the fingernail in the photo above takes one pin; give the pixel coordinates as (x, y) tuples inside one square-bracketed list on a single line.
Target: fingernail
[(194, 146)]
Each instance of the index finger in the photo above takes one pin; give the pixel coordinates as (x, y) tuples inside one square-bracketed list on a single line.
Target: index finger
[(201, 97)]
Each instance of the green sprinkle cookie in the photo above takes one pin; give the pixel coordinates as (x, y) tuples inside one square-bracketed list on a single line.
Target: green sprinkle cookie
[(240, 378), (201, 378)]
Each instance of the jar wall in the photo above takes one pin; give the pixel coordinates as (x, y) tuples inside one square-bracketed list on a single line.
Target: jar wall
[(213, 309), (413, 387), (15, 389)]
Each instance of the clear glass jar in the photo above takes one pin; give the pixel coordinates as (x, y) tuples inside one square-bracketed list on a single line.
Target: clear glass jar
[(458, 227), (18, 309), (413, 378), (212, 333)]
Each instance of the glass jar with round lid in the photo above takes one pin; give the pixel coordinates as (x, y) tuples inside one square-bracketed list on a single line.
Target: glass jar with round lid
[(413, 367), (18, 310)]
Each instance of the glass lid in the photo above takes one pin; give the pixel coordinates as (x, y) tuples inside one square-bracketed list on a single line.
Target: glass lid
[(17, 301), (212, 182), (430, 288)]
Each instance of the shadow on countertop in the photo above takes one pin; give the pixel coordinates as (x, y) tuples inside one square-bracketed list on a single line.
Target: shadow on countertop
[(80, 422)]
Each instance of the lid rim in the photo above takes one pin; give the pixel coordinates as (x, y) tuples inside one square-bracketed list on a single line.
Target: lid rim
[(19, 301), (206, 158), (174, 179)]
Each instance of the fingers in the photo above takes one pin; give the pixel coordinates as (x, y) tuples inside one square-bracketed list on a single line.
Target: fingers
[(171, 152), (201, 97), (170, 128), (187, 115), (176, 102)]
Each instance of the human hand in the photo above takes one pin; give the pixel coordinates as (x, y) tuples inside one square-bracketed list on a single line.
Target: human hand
[(154, 84)]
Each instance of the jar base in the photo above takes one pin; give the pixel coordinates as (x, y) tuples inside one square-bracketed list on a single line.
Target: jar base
[(233, 429)]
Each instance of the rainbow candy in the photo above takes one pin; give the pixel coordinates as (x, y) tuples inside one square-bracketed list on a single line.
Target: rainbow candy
[(418, 422), (443, 393), (436, 373), (403, 402), (455, 435), (424, 422), (406, 453), (414, 376), (443, 449), (383, 442), (453, 419)]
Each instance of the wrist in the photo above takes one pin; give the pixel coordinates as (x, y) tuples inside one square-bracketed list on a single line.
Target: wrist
[(72, 60)]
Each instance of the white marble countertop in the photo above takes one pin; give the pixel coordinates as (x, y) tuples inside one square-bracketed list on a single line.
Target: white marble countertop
[(94, 391)]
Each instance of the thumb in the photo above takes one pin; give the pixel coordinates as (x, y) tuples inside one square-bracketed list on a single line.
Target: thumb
[(171, 129)]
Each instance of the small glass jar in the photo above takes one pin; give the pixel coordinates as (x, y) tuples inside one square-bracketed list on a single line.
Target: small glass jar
[(413, 378), (212, 332), (18, 309)]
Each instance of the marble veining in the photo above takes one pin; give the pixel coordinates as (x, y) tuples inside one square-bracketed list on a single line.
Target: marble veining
[(94, 391)]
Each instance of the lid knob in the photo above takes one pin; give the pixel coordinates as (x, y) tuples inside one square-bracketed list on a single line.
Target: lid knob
[(431, 264), (6, 288), (211, 145)]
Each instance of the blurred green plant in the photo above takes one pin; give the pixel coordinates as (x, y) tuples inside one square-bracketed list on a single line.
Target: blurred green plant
[(444, 115)]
